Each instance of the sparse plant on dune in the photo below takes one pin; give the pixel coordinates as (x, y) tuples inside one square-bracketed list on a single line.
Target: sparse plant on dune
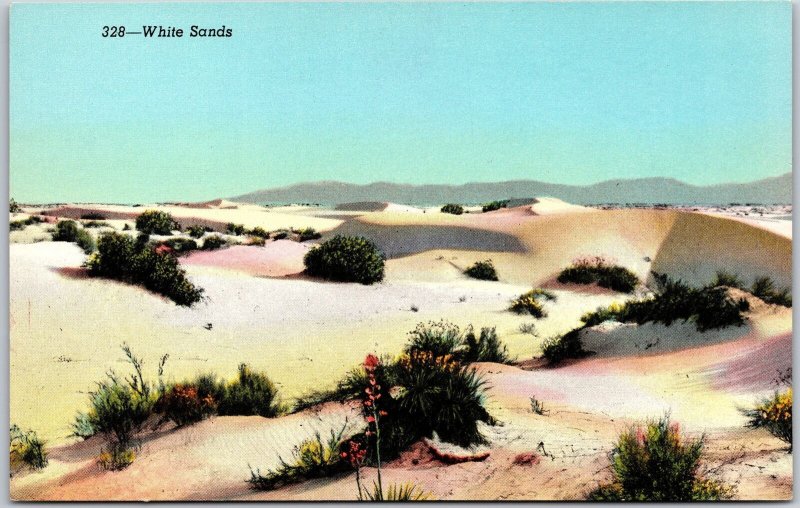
[(600, 270), (452, 209), (531, 303), (26, 450), (485, 347), (197, 230), (655, 462), (346, 259), (252, 393), (775, 415), (537, 407), (764, 288), (13, 206), (482, 270), (307, 234), (68, 231), (559, 348), (20, 225), (259, 232), (235, 229), (528, 328), (156, 222), (727, 279), (214, 242), (495, 205)]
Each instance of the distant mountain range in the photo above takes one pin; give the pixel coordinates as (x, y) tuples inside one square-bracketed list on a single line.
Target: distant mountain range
[(777, 190)]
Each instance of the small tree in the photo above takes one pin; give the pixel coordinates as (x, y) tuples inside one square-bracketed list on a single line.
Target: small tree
[(155, 222)]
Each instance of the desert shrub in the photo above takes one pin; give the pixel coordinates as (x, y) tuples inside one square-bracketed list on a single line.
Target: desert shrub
[(214, 242), (346, 259), (537, 407), (484, 348), (93, 216), (764, 288), (185, 404), (708, 307), (281, 234), (531, 302), (259, 232), (155, 222), (137, 262), (13, 206), (180, 245), (116, 457), (20, 225), (528, 328), (601, 271), (119, 408), (235, 229), (440, 338), (569, 345), (482, 270), (657, 463), (197, 231), (396, 493), (96, 224), (495, 205), (82, 426), (26, 450), (256, 241), (308, 234), (68, 231), (775, 415), (727, 279), (452, 209), (313, 458), (252, 393)]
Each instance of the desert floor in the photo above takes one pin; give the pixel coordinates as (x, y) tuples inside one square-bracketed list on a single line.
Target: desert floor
[(66, 332)]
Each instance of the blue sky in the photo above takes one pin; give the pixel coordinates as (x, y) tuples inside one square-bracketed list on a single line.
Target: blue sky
[(411, 93)]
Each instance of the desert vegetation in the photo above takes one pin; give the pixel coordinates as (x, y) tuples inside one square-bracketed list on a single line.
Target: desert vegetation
[(68, 231), (20, 225), (197, 231), (655, 462), (531, 302), (775, 415), (27, 450), (601, 271), (346, 259), (307, 234), (482, 270), (139, 262), (452, 209), (155, 222), (494, 205)]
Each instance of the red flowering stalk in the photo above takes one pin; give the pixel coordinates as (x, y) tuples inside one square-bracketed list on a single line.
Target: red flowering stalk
[(373, 392), (356, 455)]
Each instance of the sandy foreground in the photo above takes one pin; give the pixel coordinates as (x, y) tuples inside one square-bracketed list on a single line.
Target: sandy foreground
[(66, 332)]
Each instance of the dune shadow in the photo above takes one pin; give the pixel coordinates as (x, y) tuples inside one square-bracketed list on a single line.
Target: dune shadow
[(72, 272), (406, 240)]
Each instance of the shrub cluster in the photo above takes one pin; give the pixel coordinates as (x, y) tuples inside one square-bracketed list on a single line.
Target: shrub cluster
[(96, 224), (197, 230), (155, 222), (259, 232), (13, 206), (214, 242), (20, 225), (138, 262), (27, 450), (453, 209), (657, 463), (180, 245), (599, 270), (762, 287), (68, 231), (235, 229), (346, 259), (308, 234), (531, 302), (495, 205), (93, 216), (560, 348), (482, 270), (775, 415)]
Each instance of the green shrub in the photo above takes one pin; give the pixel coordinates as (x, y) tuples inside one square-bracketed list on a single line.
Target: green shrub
[(26, 450), (68, 231), (93, 216), (775, 415), (13, 206), (155, 222), (440, 338), (214, 242), (495, 205), (599, 270), (569, 345), (397, 493), (452, 209), (308, 234), (727, 279), (281, 234), (485, 348), (116, 457), (657, 463), (180, 245), (197, 231), (82, 426), (531, 302), (313, 458), (252, 393), (482, 270), (20, 225), (120, 257), (96, 224), (259, 232), (235, 229), (764, 288), (346, 259)]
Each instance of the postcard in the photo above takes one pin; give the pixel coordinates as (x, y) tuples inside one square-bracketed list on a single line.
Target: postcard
[(527, 251)]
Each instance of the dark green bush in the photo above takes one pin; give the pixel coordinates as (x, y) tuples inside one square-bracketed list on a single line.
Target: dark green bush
[(485, 348), (136, 262), (197, 231), (346, 259), (569, 345), (251, 394), (281, 234), (727, 279), (155, 222), (440, 338), (27, 450), (764, 288), (93, 216), (13, 206), (495, 205), (214, 242), (308, 234), (68, 231), (235, 229), (453, 209), (96, 224), (180, 245), (657, 463), (599, 270), (20, 225), (259, 232), (482, 270)]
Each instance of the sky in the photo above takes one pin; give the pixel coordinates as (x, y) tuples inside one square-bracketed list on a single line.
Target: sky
[(572, 93)]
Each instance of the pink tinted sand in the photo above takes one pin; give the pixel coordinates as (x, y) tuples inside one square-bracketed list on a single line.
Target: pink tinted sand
[(275, 259)]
